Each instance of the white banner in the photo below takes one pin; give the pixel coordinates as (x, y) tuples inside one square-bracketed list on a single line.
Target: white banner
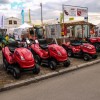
[(75, 11), (82, 12), (70, 11)]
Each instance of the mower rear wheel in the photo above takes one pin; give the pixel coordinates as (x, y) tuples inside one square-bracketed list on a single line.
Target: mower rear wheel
[(67, 63), (86, 57), (5, 64), (70, 53), (16, 73), (38, 59), (36, 70), (52, 65)]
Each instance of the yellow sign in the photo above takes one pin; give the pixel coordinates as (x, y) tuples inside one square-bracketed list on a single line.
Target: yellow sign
[(72, 18)]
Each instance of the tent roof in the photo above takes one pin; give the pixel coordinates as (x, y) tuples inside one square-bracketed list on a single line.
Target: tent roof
[(25, 25)]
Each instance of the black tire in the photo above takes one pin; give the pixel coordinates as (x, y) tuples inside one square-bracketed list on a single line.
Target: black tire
[(0, 48), (52, 65), (97, 46), (67, 63), (86, 57), (70, 53), (95, 56), (5, 64), (16, 73), (38, 59), (36, 70)]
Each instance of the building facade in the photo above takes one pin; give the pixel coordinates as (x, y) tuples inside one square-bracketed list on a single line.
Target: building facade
[(11, 23)]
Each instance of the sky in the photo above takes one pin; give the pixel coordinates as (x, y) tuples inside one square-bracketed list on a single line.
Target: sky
[(51, 8)]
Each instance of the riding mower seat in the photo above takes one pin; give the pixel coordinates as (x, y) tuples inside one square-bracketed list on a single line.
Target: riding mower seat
[(12, 49), (43, 43), (13, 45), (44, 46), (75, 44)]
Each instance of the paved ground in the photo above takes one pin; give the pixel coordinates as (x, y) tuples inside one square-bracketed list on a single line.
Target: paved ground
[(7, 78), (82, 84)]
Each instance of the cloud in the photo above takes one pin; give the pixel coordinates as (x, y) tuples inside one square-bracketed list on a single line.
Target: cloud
[(51, 8), (4, 1)]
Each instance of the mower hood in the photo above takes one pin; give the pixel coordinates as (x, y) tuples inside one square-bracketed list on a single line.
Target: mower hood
[(59, 49), (89, 46), (24, 54)]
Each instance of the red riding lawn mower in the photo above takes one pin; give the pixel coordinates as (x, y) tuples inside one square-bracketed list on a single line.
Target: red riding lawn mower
[(18, 59), (95, 41), (49, 54), (80, 49)]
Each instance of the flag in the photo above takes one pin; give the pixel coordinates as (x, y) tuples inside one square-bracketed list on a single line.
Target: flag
[(22, 14), (61, 17), (29, 16), (1, 21)]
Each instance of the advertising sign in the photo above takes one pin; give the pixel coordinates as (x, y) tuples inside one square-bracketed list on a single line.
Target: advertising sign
[(75, 11), (70, 11), (82, 12)]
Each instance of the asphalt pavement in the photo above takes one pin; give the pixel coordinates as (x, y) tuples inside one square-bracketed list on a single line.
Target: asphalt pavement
[(83, 84)]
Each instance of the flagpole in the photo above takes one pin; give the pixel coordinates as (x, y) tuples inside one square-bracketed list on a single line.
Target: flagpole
[(41, 15), (63, 12), (29, 17)]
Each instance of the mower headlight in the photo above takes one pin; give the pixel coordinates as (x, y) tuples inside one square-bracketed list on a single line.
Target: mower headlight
[(32, 56), (59, 53), (89, 47), (22, 58)]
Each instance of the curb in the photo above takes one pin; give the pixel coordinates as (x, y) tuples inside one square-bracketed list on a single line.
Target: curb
[(46, 76)]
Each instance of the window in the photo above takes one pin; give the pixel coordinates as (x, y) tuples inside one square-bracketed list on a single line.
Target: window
[(10, 21), (15, 22)]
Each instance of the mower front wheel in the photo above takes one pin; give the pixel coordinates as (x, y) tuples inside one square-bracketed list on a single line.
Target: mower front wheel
[(38, 59), (52, 65), (16, 73), (70, 53), (86, 57), (67, 63), (95, 56), (97, 46), (36, 70)]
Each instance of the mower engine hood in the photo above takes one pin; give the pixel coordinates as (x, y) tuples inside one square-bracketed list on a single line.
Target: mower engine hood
[(95, 39), (89, 46), (24, 54), (58, 49)]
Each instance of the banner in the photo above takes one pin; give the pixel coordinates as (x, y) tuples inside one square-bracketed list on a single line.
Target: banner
[(22, 14), (1, 21), (82, 12), (75, 11), (70, 11)]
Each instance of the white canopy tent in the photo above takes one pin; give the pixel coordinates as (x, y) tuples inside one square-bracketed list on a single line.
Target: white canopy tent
[(25, 25), (22, 29)]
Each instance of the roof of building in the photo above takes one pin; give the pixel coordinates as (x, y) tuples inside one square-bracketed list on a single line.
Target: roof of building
[(71, 23), (12, 17)]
